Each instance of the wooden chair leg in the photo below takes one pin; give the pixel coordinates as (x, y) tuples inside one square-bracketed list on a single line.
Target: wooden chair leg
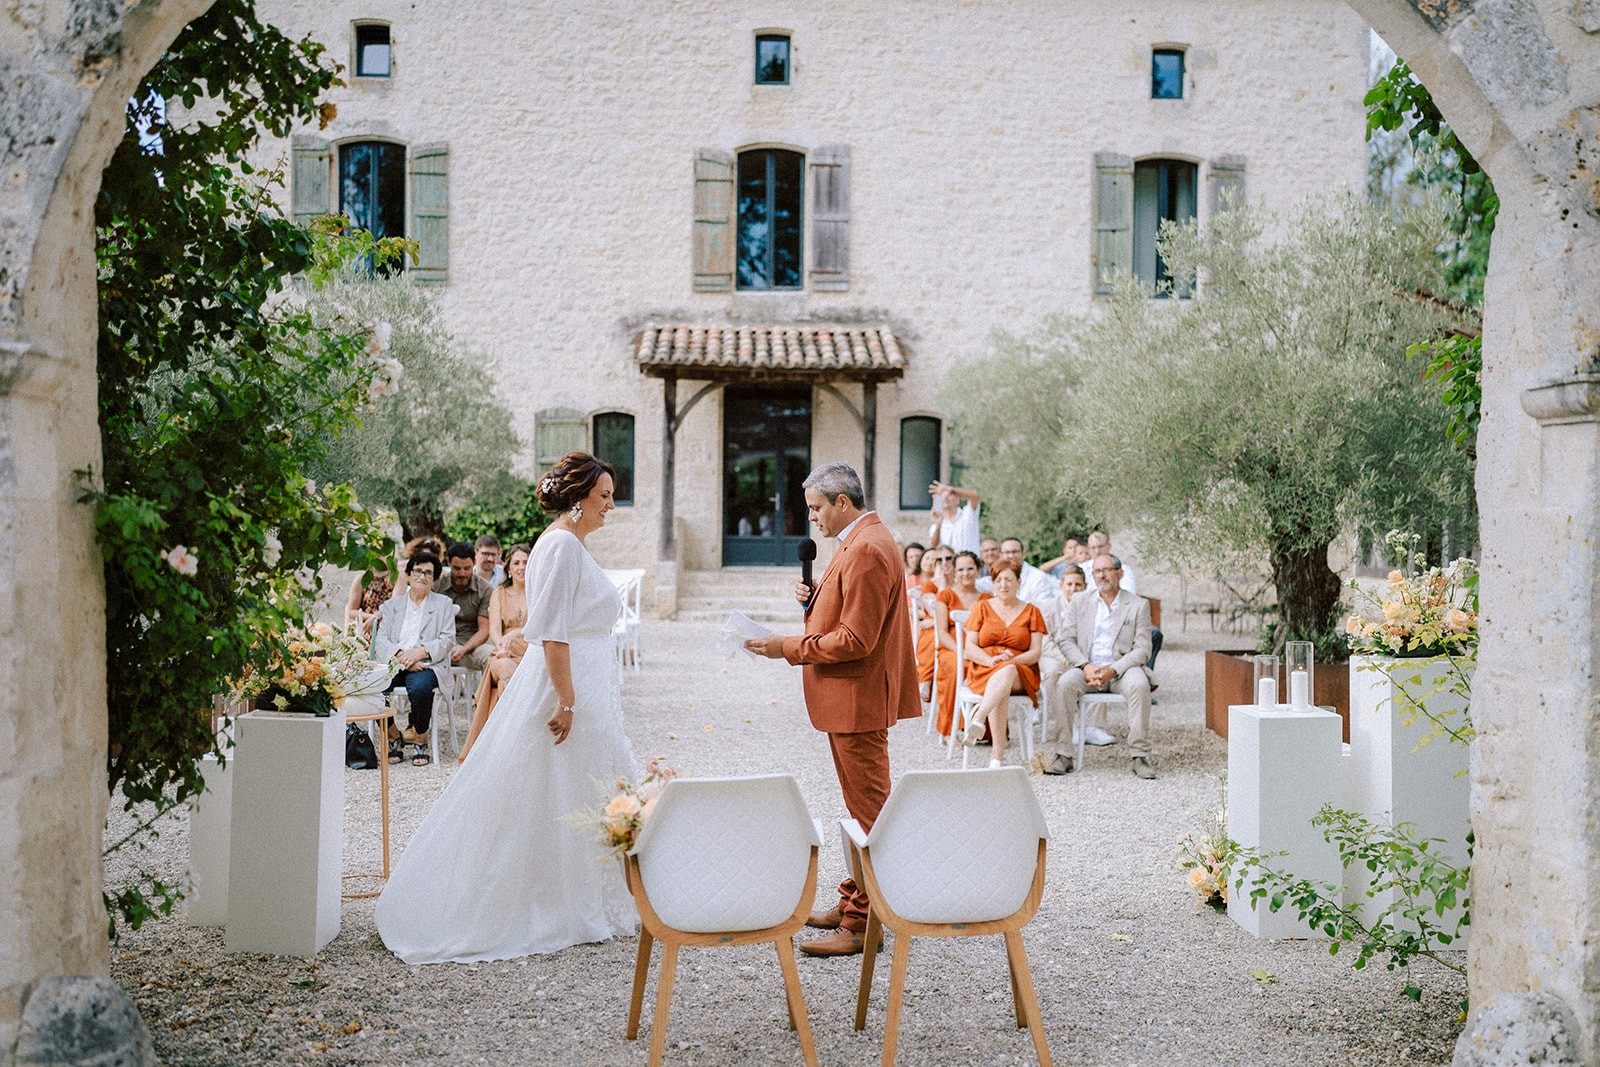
[(1030, 1001), (897, 989), (1016, 992), (869, 959), (669, 970), (641, 971), (798, 1020)]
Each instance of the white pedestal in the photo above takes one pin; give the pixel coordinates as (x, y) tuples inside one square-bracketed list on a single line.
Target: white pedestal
[(288, 833), (210, 834), (1393, 781), (1283, 766)]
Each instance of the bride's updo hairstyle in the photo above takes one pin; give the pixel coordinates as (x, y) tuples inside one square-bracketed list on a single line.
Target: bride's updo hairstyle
[(570, 480)]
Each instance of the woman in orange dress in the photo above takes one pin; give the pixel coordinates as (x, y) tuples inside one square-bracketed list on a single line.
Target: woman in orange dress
[(913, 557), (508, 610), (937, 569), (1004, 638), (963, 595)]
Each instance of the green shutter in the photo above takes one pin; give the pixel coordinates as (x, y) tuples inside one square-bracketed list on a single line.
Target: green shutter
[(1227, 183), (830, 218), (430, 212), (312, 176), (557, 431), (1113, 229), (713, 221)]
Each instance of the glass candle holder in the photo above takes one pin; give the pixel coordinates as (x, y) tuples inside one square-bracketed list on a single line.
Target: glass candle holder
[(1301, 662), (1266, 687)]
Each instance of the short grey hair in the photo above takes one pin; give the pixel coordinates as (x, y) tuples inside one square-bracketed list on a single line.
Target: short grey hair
[(1115, 561), (836, 478)]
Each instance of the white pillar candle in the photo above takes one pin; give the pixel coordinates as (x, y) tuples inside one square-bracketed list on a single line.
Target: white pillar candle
[(1299, 689), (1267, 693)]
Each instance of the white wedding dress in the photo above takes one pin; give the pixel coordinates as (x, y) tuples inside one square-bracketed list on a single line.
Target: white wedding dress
[(497, 870)]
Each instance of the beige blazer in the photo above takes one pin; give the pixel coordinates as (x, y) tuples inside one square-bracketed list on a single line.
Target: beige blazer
[(1130, 615)]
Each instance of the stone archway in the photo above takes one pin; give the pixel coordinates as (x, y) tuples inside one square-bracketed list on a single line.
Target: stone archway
[(68, 72), (1519, 80)]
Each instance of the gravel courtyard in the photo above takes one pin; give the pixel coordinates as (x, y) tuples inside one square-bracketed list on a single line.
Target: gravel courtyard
[(1130, 968)]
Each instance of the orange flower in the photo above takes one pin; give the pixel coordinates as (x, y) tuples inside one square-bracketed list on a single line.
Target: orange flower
[(1396, 578)]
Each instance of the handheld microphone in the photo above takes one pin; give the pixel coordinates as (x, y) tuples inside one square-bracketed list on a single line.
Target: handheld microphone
[(808, 553)]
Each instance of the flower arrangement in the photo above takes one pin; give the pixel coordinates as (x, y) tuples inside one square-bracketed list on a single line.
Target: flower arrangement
[(311, 670), (1432, 613), (1207, 854), (625, 814)]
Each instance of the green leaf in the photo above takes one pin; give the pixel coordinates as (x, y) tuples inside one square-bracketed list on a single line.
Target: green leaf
[(1263, 977)]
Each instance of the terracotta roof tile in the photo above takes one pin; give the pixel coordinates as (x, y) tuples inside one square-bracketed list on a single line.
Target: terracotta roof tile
[(740, 351)]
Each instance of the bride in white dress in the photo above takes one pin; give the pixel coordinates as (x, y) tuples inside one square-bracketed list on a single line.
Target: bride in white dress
[(496, 871)]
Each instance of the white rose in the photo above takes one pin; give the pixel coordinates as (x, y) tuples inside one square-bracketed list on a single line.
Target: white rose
[(272, 550)]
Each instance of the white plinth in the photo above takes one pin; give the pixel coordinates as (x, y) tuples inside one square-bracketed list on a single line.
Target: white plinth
[(288, 833), (1392, 780), (210, 834), (1283, 766)]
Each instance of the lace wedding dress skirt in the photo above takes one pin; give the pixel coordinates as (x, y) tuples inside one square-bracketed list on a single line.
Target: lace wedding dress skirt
[(496, 870)]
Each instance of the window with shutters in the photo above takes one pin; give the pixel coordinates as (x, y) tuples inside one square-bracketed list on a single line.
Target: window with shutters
[(372, 50), (772, 59), (613, 442), (770, 185), (557, 431), (1166, 74), (919, 461), (1163, 191), (372, 188)]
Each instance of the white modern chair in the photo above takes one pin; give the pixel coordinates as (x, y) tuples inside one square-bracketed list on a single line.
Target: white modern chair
[(723, 861), (1020, 708), (629, 585), (929, 875)]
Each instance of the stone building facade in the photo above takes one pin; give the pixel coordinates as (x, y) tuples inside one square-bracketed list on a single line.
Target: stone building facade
[(594, 187)]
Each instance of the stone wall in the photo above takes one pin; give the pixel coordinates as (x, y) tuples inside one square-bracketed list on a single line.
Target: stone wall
[(972, 130)]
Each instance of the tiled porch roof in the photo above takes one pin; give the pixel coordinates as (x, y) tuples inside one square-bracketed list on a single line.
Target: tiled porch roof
[(850, 353)]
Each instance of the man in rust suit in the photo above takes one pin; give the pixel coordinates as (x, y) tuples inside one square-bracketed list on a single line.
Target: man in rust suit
[(860, 676)]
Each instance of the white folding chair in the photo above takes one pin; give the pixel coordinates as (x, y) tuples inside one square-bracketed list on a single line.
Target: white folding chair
[(929, 875), (723, 861), (625, 634)]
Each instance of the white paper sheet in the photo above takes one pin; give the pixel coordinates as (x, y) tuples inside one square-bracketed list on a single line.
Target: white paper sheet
[(736, 631)]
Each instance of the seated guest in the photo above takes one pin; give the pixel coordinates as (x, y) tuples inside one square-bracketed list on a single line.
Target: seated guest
[(1068, 558), (1058, 752), (988, 552), (1036, 586), (367, 594), (414, 635), (963, 595), (470, 593), (936, 576), (486, 553), (913, 557), (1004, 637), (508, 610), (1107, 648), (1100, 544)]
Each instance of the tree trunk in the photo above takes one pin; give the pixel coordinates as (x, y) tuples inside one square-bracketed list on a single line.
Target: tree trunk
[(421, 518), (1308, 595)]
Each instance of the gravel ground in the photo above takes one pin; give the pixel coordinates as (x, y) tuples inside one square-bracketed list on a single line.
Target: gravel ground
[(1130, 968)]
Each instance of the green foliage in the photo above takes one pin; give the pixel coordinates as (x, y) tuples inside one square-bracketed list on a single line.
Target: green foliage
[(216, 396), (1011, 414), (518, 520), (437, 440), (1456, 364), (1266, 417), (1440, 161), (1421, 919)]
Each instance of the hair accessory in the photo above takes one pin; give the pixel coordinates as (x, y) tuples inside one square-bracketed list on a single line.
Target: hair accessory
[(548, 485), (575, 512)]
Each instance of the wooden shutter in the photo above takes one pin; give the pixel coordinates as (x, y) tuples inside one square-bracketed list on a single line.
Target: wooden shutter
[(830, 218), (312, 176), (713, 221), (1227, 183), (1113, 228), (430, 212)]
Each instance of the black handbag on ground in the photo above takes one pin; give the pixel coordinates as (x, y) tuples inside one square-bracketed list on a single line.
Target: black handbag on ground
[(359, 752)]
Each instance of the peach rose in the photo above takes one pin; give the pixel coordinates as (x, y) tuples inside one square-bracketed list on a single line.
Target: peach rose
[(623, 807), (1458, 621), (1397, 578)]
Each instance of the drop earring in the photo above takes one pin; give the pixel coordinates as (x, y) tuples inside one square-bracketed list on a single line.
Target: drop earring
[(575, 512)]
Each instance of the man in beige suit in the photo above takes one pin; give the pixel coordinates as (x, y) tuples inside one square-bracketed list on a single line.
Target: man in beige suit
[(1106, 646)]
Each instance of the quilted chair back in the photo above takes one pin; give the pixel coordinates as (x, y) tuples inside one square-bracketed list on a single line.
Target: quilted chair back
[(723, 855), (958, 846)]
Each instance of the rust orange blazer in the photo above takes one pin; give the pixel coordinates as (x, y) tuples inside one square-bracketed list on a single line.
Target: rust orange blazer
[(859, 670)]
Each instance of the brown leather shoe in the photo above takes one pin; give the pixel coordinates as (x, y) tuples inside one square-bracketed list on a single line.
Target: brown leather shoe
[(841, 942), (825, 920)]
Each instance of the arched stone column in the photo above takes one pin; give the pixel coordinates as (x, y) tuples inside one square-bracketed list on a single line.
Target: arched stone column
[(68, 71), (1520, 82)]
